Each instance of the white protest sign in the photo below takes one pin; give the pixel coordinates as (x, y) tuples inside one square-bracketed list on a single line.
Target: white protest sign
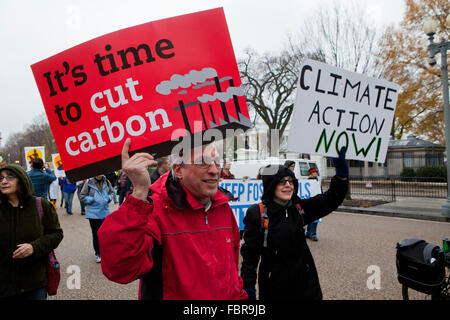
[(250, 192), (336, 107), (58, 168), (33, 153)]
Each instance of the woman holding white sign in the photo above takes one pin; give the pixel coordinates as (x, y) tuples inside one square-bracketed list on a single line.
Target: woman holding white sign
[(274, 235)]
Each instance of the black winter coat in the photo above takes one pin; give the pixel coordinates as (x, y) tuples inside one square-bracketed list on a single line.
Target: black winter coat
[(287, 270), (22, 225)]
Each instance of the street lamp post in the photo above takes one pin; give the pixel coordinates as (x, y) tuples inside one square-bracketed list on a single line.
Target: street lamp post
[(429, 27)]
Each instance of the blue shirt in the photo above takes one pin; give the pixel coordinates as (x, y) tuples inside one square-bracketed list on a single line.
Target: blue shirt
[(68, 187), (41, 181)]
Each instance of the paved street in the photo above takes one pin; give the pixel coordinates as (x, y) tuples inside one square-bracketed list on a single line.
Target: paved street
[(76, 249), (348, 244)]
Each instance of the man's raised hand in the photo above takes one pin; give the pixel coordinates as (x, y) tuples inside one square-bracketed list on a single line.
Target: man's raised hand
[(136, 169)]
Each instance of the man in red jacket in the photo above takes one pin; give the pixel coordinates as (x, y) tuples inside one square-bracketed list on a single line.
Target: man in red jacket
[(183, 241)]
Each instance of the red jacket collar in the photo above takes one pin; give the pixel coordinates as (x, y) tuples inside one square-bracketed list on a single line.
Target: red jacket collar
[(218, 199)]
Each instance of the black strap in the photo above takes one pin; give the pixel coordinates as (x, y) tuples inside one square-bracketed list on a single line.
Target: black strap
[(266, 230), (301, 212), (428, 252), (264, 222), (408, 242), (39, 208)]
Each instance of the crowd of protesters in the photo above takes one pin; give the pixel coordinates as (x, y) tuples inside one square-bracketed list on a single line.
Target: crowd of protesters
[(165, 219)]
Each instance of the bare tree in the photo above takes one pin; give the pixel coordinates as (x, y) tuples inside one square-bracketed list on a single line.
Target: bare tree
[(38, 133), (338, 35), (269, 82), (343, 36)]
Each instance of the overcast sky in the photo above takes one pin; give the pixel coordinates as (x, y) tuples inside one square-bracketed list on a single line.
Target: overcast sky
[(31, 31)]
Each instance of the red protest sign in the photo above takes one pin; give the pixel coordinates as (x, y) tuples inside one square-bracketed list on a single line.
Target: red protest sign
[(153, 82)]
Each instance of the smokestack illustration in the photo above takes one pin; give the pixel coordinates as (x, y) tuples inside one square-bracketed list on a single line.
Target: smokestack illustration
[(184, 115), (203, 116), (222, 104), (198, 79), (212, 114), (236, 102), (182, 107)]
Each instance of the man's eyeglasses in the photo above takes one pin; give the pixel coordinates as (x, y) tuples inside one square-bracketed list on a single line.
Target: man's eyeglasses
[(283, 182), (8, 178), (205, 163)]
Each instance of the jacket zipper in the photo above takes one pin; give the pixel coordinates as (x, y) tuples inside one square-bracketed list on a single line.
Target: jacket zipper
[(15, 265), (206, 212), (286, 213)]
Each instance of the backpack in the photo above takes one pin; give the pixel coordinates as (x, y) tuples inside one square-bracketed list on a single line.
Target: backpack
[(265, 219), (420, 265), (80, 186), (91, 192), (110, 187), (53, 269)]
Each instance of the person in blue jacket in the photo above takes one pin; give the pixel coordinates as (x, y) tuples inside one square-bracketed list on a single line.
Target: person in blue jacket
[(311, 229), (41, 178), (96, 194), (68, 189)]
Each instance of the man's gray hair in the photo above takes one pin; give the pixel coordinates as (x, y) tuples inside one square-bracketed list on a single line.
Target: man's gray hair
[(175, 159)]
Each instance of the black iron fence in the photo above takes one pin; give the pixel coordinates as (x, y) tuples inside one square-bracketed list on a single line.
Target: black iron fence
[(398, 161), (395, 164), (388, 188)]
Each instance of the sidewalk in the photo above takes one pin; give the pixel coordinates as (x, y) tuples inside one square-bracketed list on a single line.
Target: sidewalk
[(406, 207)]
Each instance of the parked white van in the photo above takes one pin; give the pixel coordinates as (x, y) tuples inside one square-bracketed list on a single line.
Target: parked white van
[(250, 168)]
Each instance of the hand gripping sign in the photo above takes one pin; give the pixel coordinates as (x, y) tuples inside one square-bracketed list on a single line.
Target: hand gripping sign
[(336, 107), (155, 83)]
